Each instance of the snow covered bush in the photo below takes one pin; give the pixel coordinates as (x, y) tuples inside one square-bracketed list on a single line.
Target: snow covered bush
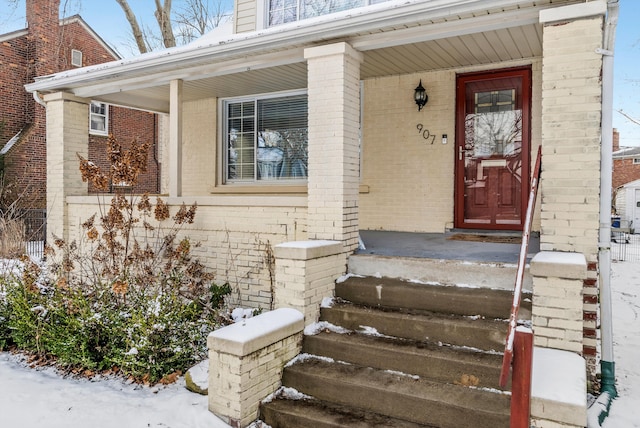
[(129, 295)]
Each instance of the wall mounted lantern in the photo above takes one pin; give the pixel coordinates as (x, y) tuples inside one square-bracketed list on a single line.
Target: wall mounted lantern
[(420, 96)]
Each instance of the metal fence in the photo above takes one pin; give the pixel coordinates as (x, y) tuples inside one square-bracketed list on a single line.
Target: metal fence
[(35, 224), (625, 247)]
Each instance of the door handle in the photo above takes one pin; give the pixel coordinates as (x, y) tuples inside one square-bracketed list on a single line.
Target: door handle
[(460, 153)]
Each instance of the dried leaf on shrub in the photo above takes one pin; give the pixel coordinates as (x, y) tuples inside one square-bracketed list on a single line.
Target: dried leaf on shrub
[(144, 205), (185, 215), (92, 234), (171, 378), (162, 210), (91, 173), (120, 287)]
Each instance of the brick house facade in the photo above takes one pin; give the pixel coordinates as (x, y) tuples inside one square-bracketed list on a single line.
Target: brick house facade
[(368, 168), (45, 47), (626, 163)]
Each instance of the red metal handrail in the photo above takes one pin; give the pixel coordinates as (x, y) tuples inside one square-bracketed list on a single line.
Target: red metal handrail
[(508, 358)]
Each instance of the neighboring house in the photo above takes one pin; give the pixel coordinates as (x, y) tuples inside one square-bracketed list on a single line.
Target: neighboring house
[(49, 45), (626, 163), (309, 131), (625, 179), (627, 204)]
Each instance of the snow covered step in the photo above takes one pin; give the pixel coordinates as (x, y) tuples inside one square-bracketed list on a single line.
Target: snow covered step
[(309, 412), (474, 332), (476, 274), (399, 396), (396, 293), (431, 361)]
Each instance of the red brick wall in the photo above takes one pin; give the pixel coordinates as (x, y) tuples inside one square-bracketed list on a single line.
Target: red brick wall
[(128, 125), (13, 69), (44, 50), (624, 171)]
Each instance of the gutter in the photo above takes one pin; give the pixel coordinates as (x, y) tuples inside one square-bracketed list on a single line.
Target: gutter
[(330, 27), (600, 409)]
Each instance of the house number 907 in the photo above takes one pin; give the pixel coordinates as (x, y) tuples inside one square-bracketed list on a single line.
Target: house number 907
[(425, 133)]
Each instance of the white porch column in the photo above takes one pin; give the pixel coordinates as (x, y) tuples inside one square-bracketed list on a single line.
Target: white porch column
[(334, 157), (67, 134), (571, 111), (571, 139), (175, 138)]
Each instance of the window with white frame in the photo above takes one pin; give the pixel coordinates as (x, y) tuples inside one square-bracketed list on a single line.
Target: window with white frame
[(283, 11), (636, 161), (266, 138), (99, 118)]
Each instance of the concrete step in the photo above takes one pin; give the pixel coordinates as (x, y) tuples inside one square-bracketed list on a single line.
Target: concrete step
[(427, 360), (311, 413), (399, 396), (457, 272), (475, 332), (395, 293)]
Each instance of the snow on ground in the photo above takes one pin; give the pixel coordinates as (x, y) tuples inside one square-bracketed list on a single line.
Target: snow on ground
[(41, 398), (625, 284)]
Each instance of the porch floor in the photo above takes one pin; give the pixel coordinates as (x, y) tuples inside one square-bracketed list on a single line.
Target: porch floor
[(441, 246)]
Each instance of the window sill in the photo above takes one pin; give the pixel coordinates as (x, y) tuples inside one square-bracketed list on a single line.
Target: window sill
[(282, 189), (266, 189)]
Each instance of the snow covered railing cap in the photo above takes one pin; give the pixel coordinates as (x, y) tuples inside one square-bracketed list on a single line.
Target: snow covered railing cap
[(307, 250), (559, 265), (252, 334)]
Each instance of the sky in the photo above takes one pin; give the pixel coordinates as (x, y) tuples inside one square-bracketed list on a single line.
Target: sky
[(108, 20)]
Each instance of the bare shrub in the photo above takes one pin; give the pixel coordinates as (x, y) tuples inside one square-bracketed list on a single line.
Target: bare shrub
[(12, 238)]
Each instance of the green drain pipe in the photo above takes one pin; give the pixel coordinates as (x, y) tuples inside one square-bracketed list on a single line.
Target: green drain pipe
[(600, 409)]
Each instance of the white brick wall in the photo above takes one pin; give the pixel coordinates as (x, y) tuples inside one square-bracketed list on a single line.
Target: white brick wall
[(235, 236), (334, 115), (571, 109), (199, 146), (246, 362), (557, 300), (67, 134), (411, 181), (306, 273)]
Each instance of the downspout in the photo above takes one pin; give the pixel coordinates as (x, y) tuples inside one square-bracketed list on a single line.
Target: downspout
[(38, 99), (607, 365)]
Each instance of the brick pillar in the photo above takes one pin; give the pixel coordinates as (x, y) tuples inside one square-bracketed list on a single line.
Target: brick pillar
[(334, 156), (306, 272), (571, 134), (246, 360), (557, 300), (571, 138), (67, 134)]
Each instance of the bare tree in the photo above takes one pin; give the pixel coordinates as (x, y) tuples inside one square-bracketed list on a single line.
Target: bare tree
[(636, 121), (135, 27), (163, 16), (196, 17)]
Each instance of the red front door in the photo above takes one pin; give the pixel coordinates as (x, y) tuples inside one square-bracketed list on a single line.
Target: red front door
[(492, 149)]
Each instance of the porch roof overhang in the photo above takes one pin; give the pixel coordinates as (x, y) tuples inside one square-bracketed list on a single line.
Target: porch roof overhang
[(396, 37)]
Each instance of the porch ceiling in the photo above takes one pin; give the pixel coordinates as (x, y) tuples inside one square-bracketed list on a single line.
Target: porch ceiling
[(459, 51), (428, 35)]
